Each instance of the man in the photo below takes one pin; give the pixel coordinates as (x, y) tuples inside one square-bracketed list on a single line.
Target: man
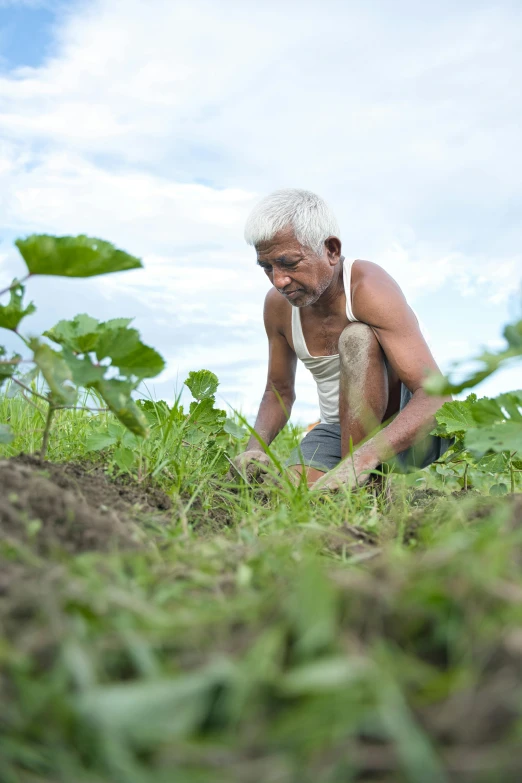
[(352, 327)]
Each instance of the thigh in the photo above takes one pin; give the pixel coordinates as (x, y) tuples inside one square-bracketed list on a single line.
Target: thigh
[(312, 474)]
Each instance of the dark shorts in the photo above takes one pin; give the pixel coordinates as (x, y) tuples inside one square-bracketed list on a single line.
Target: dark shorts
[(321, 448)]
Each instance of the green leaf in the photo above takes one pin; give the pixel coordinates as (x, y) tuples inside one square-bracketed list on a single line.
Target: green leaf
[(79, 334), (512, 403), (56, 372), (99, 441), (486, 411), (124, 458), (84, 372), (11, 314), (234, 429), (455, 416), (205, 417), (126, 351), (8, 366), (6, 434), (79, 256), (154, 711), (498, 489), (117, 395), (203, 384), (493, 463), (505, 436)]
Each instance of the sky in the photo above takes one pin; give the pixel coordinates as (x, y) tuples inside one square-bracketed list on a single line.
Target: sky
[(158, 125)]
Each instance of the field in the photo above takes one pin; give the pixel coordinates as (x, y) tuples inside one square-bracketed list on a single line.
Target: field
[(161, 621), (179, 627)]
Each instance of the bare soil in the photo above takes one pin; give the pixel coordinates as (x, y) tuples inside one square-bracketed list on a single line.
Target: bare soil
[(73, 506)]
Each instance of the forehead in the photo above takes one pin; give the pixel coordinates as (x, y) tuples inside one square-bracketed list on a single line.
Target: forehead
[(283, 243)]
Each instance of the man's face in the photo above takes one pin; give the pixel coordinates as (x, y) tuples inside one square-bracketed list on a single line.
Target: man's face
[(297, 272)]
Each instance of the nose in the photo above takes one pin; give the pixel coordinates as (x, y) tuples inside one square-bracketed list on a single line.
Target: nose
[(281, 279)]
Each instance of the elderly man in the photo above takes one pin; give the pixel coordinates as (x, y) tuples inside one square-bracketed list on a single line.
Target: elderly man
[(351, 326)]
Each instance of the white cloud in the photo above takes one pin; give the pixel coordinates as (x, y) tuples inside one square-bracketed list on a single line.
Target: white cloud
[(156, 125)]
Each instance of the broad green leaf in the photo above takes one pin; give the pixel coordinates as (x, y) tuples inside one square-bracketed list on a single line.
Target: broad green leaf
[(493, 463), (79, 334), (511, 402), (56, 372), (11, 314), (506, 436), (82, 333), (8, 365), (6, 434), (79, 256), (84, 372), (498, 489), (202, 384), (99, 440), (124, 458), (205, 417), (154, 711), (126, 351), (156, 411), (486, 411), (455, 416), (234, 429), (116, 323), (117, 395)]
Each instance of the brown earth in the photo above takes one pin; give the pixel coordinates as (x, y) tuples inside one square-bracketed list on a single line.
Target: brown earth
[(73, 506)]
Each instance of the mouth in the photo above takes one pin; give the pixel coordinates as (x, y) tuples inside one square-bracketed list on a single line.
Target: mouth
[(293, 294)]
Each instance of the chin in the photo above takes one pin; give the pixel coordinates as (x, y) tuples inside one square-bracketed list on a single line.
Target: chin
[(305, 300)]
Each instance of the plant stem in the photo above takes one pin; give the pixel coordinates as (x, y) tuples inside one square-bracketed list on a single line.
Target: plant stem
[(47, 430), (466, 477), (14, 284), (27, 388)]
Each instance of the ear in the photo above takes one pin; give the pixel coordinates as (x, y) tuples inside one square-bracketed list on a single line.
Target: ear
[(333, 250)]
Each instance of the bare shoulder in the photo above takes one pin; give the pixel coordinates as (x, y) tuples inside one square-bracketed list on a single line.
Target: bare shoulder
[(375, 293), (277, 312), (367, 274)]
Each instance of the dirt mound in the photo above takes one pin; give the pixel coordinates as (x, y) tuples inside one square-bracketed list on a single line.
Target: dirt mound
[(72, 506)]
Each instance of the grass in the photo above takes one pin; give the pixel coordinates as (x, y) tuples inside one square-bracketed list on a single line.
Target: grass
[(256, 635)]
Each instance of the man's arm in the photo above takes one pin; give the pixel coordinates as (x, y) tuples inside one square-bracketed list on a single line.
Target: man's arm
[(378, 301), (279, 396)]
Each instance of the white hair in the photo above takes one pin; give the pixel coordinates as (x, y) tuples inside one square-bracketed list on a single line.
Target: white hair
[(307, 214)]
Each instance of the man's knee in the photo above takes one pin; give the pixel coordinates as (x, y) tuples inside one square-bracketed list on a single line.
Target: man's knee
[(357, 339)]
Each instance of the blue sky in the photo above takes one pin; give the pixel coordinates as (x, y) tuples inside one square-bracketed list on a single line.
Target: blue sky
[(158, 126)]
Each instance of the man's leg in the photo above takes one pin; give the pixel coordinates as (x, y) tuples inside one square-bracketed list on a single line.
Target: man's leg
[(312, 474), (369, 390)]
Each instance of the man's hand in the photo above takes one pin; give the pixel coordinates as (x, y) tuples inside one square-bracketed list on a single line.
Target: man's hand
[(252, 464), (344, 476)]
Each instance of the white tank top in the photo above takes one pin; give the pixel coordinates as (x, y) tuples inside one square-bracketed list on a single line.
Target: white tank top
[(325, 369)]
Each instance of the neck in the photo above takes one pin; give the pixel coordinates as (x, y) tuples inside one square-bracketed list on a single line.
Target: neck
[(333, 293)]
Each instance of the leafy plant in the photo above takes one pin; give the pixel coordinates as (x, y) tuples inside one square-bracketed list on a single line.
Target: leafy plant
[(107, 358), (488, 436), (179, 440)]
